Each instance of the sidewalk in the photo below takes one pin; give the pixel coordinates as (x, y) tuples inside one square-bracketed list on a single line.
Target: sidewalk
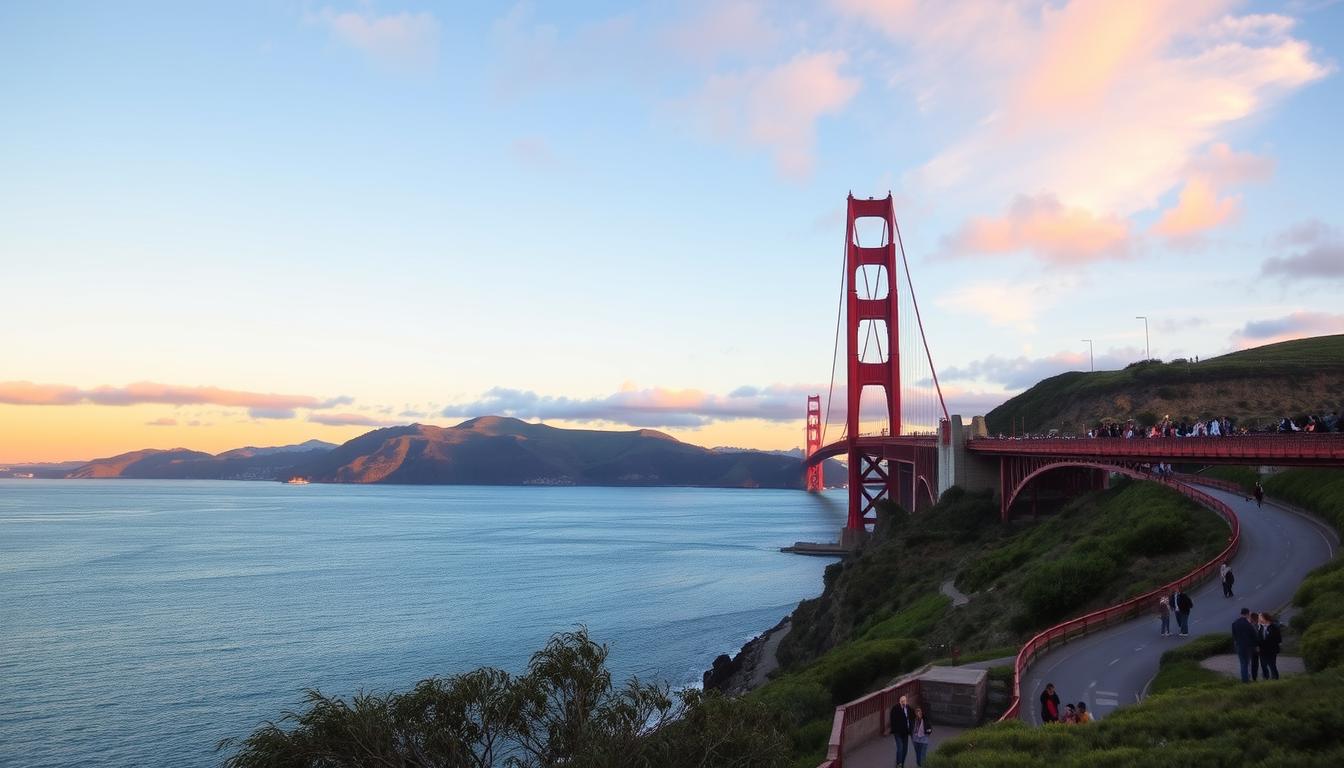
[(1227, 664)]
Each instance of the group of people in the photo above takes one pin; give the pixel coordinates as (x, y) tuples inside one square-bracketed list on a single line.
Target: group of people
[(1330, 422), (908, 725), (1072, 714), (1257, 638), (1130, 429), (1180, 604)]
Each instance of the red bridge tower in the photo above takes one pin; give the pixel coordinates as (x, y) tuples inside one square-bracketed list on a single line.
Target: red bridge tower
[(815, 477), (871, 320)]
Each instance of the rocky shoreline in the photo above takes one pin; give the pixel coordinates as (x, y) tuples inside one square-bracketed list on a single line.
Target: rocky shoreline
[(750, 667)]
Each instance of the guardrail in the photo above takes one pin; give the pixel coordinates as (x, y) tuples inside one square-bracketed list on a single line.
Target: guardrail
[(864, 719), (1266, 448), (1145, 603)]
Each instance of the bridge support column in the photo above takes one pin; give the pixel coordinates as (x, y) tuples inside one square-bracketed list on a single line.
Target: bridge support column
[(873, 354), (815, 479)]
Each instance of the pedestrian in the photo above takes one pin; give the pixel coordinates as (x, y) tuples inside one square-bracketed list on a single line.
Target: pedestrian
[(1049, 704), (1164, 614), (1070, 714), (1229, 579), (1183, 607), (1272, 635), (1259, 495), (920, 737), (1083, 715), (902, 725), (1244, 638), (1255, 649)]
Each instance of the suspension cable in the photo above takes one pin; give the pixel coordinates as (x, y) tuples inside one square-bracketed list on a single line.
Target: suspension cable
[(915, 302)]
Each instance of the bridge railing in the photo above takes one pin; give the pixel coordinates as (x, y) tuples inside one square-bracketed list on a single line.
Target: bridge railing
[(1072, 629), (1258, 447), (864, 719)]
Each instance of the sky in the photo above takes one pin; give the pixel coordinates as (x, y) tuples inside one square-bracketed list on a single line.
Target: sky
[(255, 223)]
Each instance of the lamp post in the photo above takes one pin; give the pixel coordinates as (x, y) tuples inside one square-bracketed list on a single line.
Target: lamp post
[(1091, 363), (1147, 351)]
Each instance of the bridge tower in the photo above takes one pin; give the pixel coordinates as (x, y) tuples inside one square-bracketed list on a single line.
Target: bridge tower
[(815, 477), (874, 357)]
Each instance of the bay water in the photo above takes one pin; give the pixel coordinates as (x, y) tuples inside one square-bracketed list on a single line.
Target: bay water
[(142, 621)]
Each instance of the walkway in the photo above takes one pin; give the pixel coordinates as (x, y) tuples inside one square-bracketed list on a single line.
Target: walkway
[(949, 588), (1113, 667)]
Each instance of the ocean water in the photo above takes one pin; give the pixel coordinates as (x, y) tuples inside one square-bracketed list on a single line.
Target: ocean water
[(142, 621)]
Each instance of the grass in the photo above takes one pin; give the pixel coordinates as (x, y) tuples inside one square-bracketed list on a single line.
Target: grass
[(1179, 667), (1039, 407)]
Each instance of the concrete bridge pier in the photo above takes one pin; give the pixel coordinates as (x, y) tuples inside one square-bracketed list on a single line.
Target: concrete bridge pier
[(959, 466)]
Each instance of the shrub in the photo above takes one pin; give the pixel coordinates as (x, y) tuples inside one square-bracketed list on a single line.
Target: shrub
[(1323, 645), (1052, 590)]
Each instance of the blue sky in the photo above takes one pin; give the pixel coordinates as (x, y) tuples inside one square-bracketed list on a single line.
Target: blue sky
[(298, 219)]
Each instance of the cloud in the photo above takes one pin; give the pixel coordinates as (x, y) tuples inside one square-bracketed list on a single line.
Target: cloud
[(725, 29), (1297, 325), (1104, 104), (350, 420), (1322, 254), (1017, 373), (404, 40), (1045, 228), (141, 392), (165, 421), (271, 413), (777, 108), (1197, 210)]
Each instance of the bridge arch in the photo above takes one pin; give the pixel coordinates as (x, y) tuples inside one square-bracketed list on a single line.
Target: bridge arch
[(1016, 474)]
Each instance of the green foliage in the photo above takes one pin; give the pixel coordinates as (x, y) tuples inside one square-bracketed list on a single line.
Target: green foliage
[(1319, 490), (1180, 668), (1289, 722), (563, 711), (1056, 588), (915, 620), (1323, 645)]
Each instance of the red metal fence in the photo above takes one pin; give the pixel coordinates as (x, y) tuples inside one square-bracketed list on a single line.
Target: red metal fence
[(864, 719), (1145, 603), (1294, 449)]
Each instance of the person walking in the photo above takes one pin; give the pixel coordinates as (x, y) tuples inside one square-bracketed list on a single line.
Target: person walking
[(1255, 649), (1164, 614), (902, 725), (1049, 704), (1229, 579), (920, 737), (1259, 495), (1271, 641), (1183, 607), (1244, 638)]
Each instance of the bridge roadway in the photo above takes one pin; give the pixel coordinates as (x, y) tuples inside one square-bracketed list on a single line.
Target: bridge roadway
[(1112, 667)]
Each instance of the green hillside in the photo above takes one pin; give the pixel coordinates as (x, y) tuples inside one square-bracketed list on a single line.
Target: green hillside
[(1254, 387)]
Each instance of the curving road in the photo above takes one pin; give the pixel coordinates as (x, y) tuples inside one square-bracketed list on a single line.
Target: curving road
[(1113, 667)]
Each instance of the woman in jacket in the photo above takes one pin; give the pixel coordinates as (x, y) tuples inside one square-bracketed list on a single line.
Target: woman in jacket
[(919, 736), (1271, 640)]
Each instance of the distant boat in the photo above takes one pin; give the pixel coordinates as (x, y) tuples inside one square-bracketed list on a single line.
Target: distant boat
[(297, 481)]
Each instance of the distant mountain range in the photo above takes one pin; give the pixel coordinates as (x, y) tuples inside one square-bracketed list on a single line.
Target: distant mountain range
[(490, 450)]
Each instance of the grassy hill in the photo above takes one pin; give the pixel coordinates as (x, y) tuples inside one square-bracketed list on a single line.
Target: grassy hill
[(882, 614), (1255, 386)]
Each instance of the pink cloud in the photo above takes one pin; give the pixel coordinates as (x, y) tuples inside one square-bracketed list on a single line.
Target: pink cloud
[(1047, 229), (141, 392), (1297, 325), (350, 420), (1198, 209), (403, 39), (778, 108), (724, 29), (166, 421)]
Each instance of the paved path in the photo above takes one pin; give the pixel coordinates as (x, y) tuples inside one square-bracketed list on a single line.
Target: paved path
[(1228, 664), (949, 588), (1113, 667)]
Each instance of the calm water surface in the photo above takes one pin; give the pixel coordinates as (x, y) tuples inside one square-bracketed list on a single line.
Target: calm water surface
[(141, 621)]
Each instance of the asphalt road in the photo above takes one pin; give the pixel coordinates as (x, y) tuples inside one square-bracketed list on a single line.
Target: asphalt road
[(1113, 667)]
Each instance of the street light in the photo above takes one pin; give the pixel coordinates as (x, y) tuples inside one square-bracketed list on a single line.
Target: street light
[(1091, 364), (1147, 351)]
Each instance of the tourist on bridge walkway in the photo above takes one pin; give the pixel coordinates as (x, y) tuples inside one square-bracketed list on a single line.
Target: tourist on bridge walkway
[(902, 725), (1244, 637)]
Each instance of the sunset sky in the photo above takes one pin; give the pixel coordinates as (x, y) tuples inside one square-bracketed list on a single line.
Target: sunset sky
[(263, 222)]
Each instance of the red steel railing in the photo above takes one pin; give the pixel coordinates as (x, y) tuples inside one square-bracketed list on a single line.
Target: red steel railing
[(1255, 449), (864, 719), (1135, 606)]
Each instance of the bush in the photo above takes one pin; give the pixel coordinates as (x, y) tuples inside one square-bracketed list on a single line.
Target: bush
[(1052, 590), (1323, 645)]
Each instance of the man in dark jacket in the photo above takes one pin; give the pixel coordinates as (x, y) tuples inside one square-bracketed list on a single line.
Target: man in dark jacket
[(1183, 604), (1270, 641), (1244, 638), (902, 723)]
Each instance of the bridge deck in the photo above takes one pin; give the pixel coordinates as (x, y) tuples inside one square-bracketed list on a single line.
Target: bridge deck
[(1295, 449)]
